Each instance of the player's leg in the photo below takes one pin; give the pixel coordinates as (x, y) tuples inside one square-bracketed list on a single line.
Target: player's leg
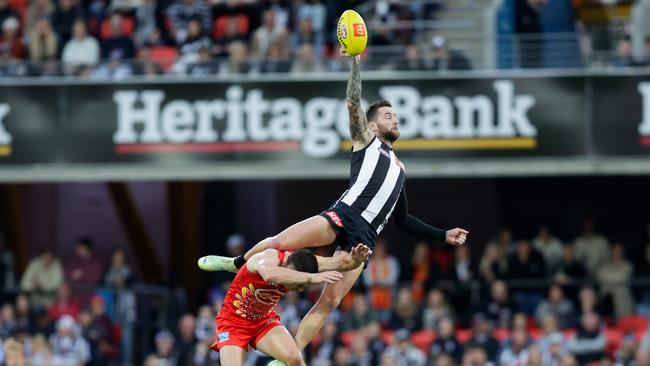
[(313, 232), (329, 300), (279, 344), (232, 355)]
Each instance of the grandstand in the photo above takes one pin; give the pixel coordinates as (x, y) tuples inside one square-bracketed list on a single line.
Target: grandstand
[(139, 135)]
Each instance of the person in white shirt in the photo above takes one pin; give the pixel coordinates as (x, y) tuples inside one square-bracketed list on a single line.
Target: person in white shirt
[(591, 249), (550, 247), (82, 49)]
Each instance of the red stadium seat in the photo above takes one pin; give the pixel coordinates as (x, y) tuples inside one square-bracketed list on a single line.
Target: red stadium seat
[(423, 339), (614, 339), (464, 335), (219, 25), (348, 337), (502, 334), (569, 333), (128, 26), (387, 336), (164, 56), (633, 323), (535, 333)]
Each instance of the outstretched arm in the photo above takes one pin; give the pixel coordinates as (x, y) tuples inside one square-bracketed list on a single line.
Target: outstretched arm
[(344, 261), (359, 131), (268, 265), (414, 226)]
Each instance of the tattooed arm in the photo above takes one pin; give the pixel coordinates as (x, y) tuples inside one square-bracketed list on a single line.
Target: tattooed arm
[(361, 134)]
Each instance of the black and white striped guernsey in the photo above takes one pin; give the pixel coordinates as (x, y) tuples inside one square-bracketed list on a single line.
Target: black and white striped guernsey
[(376, 180)]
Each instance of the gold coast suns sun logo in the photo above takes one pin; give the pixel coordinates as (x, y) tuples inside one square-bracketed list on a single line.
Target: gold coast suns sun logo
[(255, 303)]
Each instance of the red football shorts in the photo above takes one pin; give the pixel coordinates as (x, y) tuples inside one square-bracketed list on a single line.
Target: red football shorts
[(234, 332)]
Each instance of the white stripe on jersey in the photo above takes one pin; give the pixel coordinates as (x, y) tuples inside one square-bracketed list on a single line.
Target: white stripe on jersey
[(384, 192), (365, 173), (381, 226)]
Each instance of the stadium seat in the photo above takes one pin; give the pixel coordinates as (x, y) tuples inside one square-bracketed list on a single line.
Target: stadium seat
[(128, 26), (614, 339), (164, 56), (387, 336), (423, 339), (348, 337), (502, 334), (464, 335), (219, 25)]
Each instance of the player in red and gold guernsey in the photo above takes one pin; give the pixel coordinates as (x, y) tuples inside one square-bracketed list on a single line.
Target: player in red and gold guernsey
[(248, 317)]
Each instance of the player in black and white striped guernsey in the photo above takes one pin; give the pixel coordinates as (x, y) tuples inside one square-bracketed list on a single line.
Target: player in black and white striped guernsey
[(375, 192)]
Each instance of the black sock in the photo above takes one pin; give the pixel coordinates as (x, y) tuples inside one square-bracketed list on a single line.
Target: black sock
[(239, 261)]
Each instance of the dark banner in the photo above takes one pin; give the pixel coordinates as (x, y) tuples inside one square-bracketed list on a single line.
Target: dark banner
[(300, 120)]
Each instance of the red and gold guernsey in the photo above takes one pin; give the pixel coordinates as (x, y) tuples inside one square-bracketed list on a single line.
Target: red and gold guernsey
[(250, 297)]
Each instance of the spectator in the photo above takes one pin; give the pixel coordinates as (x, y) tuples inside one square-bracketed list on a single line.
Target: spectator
[(446, 341), (436, 308), (38, 10), (65, 303), (403, 352), (463, 273), (526, 262), (305, 34), (443, 359), (182, 11), (7, 276), (569, 360), (492, 265), (186, 338), (329, 343), (500, 309), (118, 277), (422, 267), (642, 270), (11, 42), (406, 313), (7, 12), (589, 300), (627, 351), (614, 281), (588, 345), (376, 344), (118, 46), (553, 347), (81, 50), (305, 60), (476, 356), (204, 65), (361, 355), (63, 19), (570, 271), (232, 35), (25, 318), (42, 278), (380, 278), (41, 352), (550, 248), (591, 249), (359, 316), (84, 270), (68, 346), (342, 357), (276, 61), (146, 66), (482, 337), (270, 33), (445, 58), (119, 274), (558, 306), (147, 30), (195, 40), (165, 354), (238, 62), (517, 352), (43, 44), (13, 353), (7, 321), (623, 56)]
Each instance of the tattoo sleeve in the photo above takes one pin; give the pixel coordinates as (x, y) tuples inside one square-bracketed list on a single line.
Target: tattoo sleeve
[(358, 123)]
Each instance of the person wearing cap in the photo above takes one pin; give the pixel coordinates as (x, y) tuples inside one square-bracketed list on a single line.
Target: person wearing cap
[(404, 352), (482, 337), (68, 346), (445, 58), (11, 41)]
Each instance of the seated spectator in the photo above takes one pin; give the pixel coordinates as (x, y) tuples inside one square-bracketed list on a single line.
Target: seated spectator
[(238, 62), (588, 345), (67, 12), (113, 69), (476, 356), (205, 328), (549, 327), (145, 18), (342, 357), (436, 308), (588, 300), (376, 345), (118, 46), (205, 64), (165, 353), (11, 41), (526, 262), (68, 346), (42, 278), (642, 270), (13, 353), (422, 267), (380, 277), (196, 39), (446, 341), (43, 43), (569, 272), (275, 60), (558, 306), (623, 56), (25, 317), (41, 352), (292, 309), (119, 274), (493, 264), (145, 65), (328, 345), (232, 35), (403, 352), (270, 34), (361, 354), (517, 352), (550, 248), (65, 303), (359, 316), (406, 313), (7, 275), (38, 10), (7, 321), (182, 11), (81, 50), (411, 61), (463, 273), (6, 11), (614, 280), (186, 338), (84, 270), (482, 337), (591, 249), (306, 60), (500, 308), (445, 58), (627, 351), (305, 35), (554, 348)]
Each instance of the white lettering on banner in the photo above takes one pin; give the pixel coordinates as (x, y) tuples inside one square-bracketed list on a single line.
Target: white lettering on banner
[(319, 124), (644, 89), (5, 137)]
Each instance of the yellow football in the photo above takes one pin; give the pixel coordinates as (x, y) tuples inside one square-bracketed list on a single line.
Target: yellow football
[(352, 32)]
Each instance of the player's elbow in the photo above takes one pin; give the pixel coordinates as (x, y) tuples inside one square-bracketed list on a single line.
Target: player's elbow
[(267, 274)]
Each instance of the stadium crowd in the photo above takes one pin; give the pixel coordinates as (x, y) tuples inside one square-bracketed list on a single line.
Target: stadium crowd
[(519, 302)]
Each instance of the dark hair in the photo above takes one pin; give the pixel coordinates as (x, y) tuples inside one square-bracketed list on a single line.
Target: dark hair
[(303, 261), (86, 242), (371, 113)]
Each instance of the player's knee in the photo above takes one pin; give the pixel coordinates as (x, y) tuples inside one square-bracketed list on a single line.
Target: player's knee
[(294, 358), (329, 302), (280, 243)]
